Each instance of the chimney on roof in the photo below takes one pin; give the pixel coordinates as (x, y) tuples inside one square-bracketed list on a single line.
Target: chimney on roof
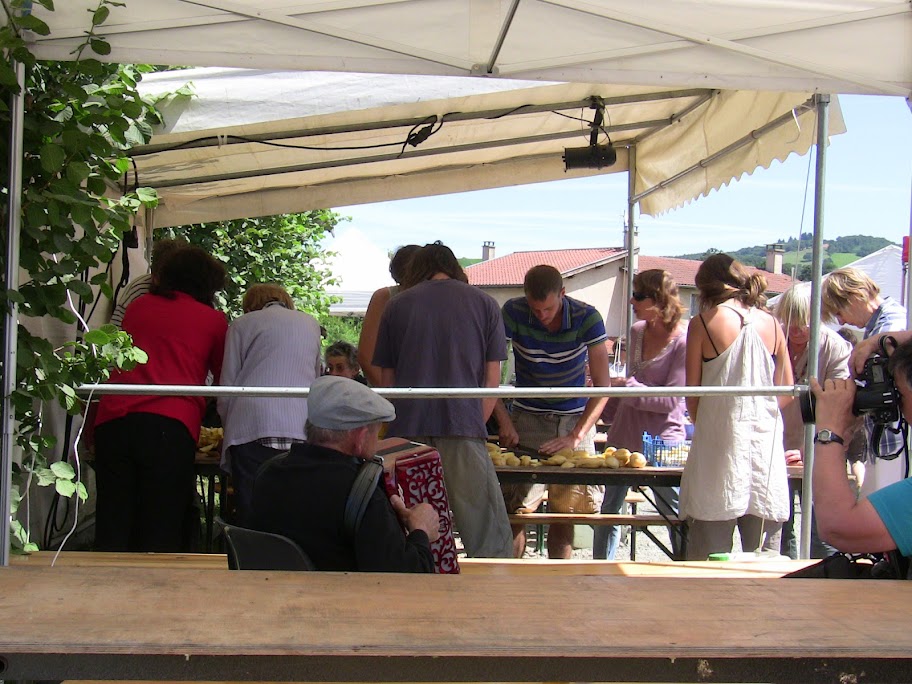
[(774, 254), (487, 251)]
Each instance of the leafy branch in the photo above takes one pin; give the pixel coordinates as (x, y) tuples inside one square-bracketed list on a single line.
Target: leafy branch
[(80, 118)]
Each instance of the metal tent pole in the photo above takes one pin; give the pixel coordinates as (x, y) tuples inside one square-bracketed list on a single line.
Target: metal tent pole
[(823, 122), (631, 240), (11, 315)]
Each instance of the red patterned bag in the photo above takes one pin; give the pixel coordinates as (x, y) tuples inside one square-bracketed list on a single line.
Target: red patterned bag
[(414, 472)]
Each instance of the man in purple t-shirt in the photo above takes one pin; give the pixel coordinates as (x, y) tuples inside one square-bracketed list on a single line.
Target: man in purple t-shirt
[(442, 332)]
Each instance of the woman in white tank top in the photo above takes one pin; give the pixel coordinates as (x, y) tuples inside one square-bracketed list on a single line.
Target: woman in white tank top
[(735, 472)]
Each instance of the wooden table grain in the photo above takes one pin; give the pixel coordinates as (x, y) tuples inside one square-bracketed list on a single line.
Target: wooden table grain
[(165, 624)]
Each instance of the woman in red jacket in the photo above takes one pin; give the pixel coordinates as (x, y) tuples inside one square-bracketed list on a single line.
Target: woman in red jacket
[(145, 444)]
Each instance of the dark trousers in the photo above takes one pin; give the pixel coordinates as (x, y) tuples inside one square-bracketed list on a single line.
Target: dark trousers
[(146, 479), (246, 460), (789, 544)]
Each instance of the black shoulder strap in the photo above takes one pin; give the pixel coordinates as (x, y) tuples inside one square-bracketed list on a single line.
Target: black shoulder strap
[(360, 494), (708, 336)]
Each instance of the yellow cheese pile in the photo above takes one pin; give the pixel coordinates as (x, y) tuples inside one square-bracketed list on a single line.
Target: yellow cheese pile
[(209, 438), (570, 458)]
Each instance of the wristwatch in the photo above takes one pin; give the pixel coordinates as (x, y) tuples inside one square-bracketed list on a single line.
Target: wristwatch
[(828, 437)]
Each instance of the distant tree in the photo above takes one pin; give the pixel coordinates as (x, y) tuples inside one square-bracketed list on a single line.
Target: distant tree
[(347, 328), (862, 245), (805, 271), (283, 249)]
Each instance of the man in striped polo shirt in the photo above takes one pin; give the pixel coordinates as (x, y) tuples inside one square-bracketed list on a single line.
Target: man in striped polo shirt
[(553, 337)]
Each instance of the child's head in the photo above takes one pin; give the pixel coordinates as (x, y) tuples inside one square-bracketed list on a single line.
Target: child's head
[(342, 360)]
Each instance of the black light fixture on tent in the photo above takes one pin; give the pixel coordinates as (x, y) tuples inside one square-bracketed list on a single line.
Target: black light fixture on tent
[(593, 156)]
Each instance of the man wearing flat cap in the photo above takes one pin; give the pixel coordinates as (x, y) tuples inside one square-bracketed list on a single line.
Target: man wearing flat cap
[(302, 494)]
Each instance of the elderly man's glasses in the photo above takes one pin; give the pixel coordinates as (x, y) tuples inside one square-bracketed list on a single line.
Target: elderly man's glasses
[(640, 296)]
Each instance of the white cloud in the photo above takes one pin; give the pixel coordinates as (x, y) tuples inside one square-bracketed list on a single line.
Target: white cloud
[(360, 264)]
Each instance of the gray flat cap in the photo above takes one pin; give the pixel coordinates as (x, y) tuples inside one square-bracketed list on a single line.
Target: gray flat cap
[(336, 403)]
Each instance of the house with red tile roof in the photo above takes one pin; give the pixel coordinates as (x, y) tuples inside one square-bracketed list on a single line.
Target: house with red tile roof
[(592, 275), (595, 275)]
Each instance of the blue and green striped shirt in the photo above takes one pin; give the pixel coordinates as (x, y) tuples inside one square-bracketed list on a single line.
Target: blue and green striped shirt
[(552, 359)]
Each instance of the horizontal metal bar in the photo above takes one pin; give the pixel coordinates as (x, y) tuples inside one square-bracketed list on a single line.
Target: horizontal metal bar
[(503, 392), (408, 154)]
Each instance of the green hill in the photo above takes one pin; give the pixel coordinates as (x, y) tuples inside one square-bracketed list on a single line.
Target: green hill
[(837, 253)]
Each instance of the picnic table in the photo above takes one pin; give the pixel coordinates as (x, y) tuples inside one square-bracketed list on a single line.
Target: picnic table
[(76, 622)]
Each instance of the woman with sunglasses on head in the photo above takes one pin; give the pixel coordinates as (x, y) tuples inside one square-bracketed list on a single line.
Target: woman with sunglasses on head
[(655, 359), (735, 472)]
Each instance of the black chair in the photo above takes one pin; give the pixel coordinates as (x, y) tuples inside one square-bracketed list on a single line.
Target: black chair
[(254, 550)]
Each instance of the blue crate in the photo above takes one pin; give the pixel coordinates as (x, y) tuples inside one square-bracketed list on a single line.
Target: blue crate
[(664, 454)]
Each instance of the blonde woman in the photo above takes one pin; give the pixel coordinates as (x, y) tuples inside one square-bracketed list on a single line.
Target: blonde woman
[(793, 310), (852, 298), (735, 473)]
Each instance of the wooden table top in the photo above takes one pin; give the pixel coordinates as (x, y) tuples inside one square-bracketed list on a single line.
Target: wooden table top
[(218, 625)]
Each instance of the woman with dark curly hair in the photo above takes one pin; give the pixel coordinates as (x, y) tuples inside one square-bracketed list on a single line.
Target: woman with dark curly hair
[(655, 359), (145, 444), (735, 472)]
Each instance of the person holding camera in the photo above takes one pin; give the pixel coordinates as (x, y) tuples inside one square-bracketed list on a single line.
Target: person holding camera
[(881, 521), (852, 298)]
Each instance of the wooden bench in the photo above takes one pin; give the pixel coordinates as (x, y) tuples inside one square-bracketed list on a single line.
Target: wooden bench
[(635, 521), (591, 519)]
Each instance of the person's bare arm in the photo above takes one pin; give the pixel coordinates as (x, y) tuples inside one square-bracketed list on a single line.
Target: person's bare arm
[(599, 364), (507, 435), (367, 342), (847, 523), (387, 377), (693, 363), (492, 380), (782, 373)]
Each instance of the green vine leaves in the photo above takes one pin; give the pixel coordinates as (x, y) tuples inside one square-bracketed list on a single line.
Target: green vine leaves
[(81, 118)]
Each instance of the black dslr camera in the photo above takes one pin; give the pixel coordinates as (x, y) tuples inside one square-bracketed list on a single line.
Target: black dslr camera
[(876, 395)]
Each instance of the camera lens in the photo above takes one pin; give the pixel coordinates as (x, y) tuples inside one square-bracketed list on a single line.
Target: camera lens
[(808, 403)]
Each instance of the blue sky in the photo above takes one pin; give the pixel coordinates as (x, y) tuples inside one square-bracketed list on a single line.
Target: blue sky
[(868, 187)]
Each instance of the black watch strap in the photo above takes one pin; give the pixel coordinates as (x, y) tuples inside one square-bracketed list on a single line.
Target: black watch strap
[(826, 436)]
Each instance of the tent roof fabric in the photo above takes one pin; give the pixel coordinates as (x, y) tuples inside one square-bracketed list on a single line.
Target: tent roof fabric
[(326, 140), (835, 46), (885, 268)]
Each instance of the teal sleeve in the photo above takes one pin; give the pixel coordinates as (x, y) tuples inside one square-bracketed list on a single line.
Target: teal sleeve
[(894, 506)]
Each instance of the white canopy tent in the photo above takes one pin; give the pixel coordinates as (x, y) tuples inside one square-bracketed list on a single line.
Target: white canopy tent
[(886, 268), (833, 46), (798, 47), (224, 154)]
